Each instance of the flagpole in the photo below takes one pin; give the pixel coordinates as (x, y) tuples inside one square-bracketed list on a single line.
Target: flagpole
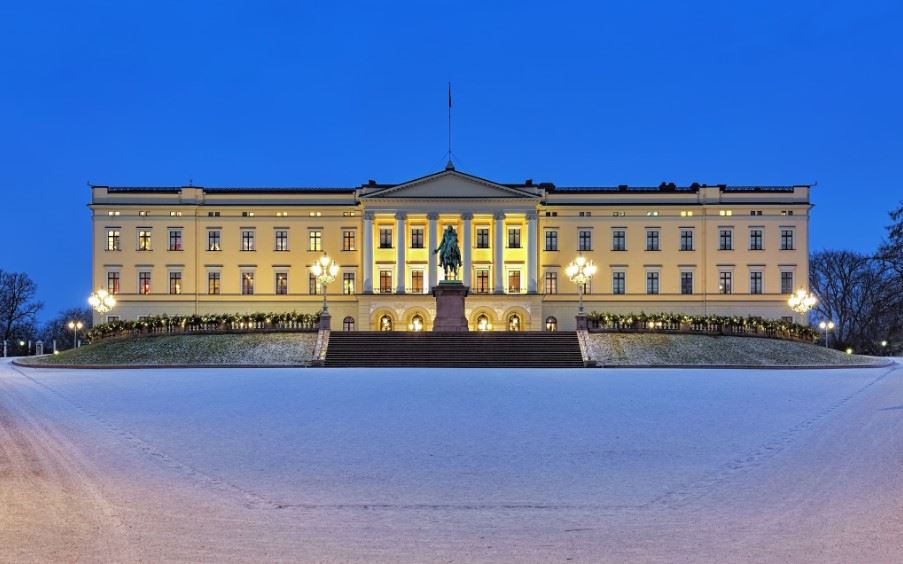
[(449, 124)]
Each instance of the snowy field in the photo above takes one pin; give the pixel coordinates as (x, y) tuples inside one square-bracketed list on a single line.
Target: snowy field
[(446, 465)]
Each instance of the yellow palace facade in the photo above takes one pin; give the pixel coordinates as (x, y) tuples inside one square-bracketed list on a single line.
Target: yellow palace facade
[(731, 250)]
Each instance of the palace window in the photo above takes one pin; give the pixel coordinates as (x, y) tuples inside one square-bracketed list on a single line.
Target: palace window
[(482, 237), (247, 214), (247, 283), (514, 322), (175, 283), (142, 213), (348, 243), (618, 240), (385, 281), (652, 214), (348, 324), (725, 213), (551, 240), (726, 240), (786, 239), (214, 240), (786, 282), (619, 214), (144, 240), (113, 240), (281, 240), (652, 240), (686, 282), (686, 239), (348, 283), (385, 323), (686, 214), (514, 281), (313, 287), (482, 286), (175, 214), (247, 240), (213, 214), (175, 239), (618, 282), (551, 282), (724, 282), (755, 212), (652, 282), (755, 282), (281, 283), (314, 240), (113, 282), (417, 237), (385, 237), (514, 237), (551, 324), (585, 240), (213, 283), (417, 281), (755, 240), (144, 282)]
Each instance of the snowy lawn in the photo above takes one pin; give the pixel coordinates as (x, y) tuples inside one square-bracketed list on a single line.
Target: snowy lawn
[(484, 465), (664, 349), (284, 349)]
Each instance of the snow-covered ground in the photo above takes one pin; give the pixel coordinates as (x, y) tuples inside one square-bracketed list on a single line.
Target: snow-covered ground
[(451, 465)]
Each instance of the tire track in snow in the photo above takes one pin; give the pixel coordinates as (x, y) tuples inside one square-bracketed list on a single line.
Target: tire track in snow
[(681, 495)]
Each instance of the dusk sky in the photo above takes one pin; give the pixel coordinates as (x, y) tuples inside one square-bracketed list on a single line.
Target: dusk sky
[(280, 94)]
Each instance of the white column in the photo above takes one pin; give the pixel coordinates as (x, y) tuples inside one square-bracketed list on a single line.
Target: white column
[(466, 243), (499, 263), (431, 246), (400, 269), (368, 252), (532, 252)]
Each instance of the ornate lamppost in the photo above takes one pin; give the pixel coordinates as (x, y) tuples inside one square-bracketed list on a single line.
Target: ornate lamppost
[(325, 270), (826, 326), (102, 301), (580, 271), (802, 301), (75, 326)]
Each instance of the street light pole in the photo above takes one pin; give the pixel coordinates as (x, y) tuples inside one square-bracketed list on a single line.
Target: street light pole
[(826, 326), (75, 326), (325, 271), (580, 271)]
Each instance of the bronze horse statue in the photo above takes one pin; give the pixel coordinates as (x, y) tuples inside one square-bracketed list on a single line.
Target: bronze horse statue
[(449, 253)]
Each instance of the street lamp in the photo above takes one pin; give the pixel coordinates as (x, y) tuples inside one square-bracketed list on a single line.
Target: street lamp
[(75, 326), (802, 301), (826, 326), (580, 271), (325, 270), (102, 301)]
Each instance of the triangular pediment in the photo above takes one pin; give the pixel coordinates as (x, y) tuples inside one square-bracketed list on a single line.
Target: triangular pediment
[(449, 184)]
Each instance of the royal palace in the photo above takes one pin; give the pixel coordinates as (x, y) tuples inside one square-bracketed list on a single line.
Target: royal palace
[(698, 249)]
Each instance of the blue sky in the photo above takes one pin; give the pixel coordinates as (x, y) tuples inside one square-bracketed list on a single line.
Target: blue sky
[(287, 93)]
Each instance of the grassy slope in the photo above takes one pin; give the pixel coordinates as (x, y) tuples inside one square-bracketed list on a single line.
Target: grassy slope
[(665, 349), (262, 349)]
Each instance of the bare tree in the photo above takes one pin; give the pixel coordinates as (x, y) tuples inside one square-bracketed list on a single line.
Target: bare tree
[(18, 307), (892, 249), (58, 328), (861, 294)]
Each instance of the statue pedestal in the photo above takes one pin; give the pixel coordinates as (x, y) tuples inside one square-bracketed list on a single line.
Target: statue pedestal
[(450, 296)]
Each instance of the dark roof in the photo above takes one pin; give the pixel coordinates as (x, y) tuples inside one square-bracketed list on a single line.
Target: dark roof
[(231, 190), (672, 188)]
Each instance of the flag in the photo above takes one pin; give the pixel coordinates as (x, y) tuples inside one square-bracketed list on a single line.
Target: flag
[(449, 94)]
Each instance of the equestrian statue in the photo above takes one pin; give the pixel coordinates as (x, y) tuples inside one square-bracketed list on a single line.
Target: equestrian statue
[(449, 253)]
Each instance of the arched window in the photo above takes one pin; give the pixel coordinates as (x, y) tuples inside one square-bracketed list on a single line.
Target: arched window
[(551, 324), (514, 322), (348, 324), (483, 323), (416, 323), (385, 323)]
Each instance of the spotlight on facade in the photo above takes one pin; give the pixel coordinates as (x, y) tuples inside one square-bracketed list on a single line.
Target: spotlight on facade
[(102, 301)]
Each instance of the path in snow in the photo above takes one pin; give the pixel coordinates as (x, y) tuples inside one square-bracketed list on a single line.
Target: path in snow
[(446, 465)]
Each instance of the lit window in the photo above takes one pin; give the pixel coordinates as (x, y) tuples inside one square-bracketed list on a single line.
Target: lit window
[(142, 213), (514, 281), (314, 240), (247, 214), (315, 214), (482, 286), (348, 240), (483, 323), (724, 282), (281, 240), (686, 214), (144, 240), (417, 281), (175, 239), (113, 282), (385, 281), (725, 212), (652, 213), (348, 283), (551, 324), (281, 283), (144, 282), (175, 283), (514, 322), (213, 283), (113, 213), (113, 243), (247, 240), (247, 283), (618, 214), (175, 214), (214, 240), (349, 214), (551, 283), (282, 214)]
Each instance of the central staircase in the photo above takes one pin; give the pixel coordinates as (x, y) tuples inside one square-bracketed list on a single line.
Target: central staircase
[(530, 349)]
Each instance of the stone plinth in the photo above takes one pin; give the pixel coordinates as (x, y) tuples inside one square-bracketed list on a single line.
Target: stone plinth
[(450, 296)]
